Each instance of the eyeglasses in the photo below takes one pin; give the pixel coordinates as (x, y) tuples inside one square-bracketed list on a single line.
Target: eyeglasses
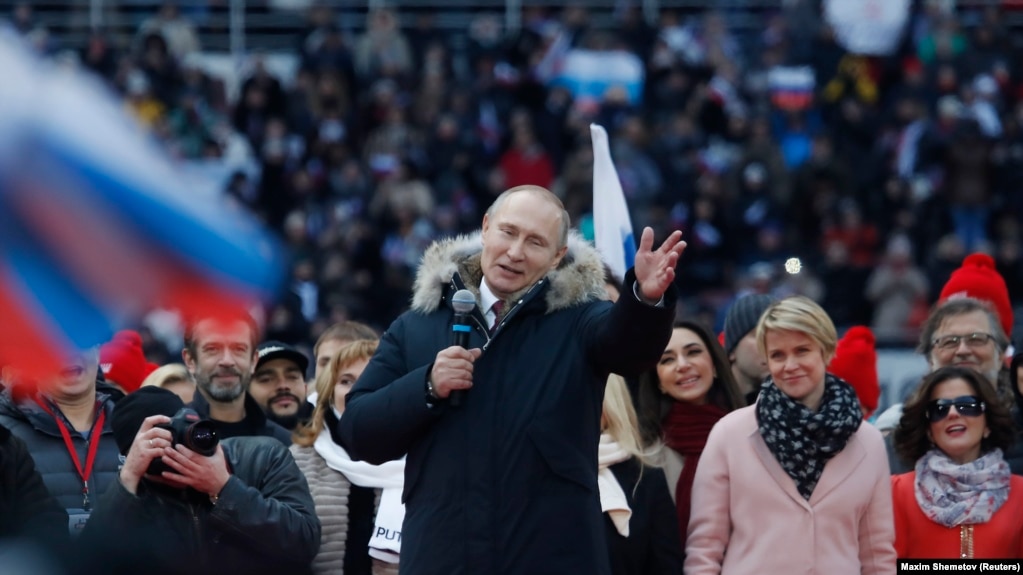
[(951, 342), (966, 405)]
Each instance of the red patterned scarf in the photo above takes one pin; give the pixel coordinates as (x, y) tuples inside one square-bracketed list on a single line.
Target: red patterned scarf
[(685, 430)]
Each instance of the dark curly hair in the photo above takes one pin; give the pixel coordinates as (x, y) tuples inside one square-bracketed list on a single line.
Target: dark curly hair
[(911, 439), (652, 406)]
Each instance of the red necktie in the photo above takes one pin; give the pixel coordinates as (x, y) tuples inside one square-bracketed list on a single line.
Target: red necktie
[(497, 308)]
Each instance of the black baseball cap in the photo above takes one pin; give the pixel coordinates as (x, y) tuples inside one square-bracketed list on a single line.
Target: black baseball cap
[(269, 350)]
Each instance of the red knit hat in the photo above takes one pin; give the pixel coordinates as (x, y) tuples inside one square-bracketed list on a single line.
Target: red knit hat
[(978, 278), (855, 362), (123, 362)]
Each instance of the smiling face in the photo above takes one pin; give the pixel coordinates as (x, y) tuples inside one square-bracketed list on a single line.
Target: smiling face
[(958, 436), (985, 359), (520, 242), (223, 358), (797, 364), (686, 369)]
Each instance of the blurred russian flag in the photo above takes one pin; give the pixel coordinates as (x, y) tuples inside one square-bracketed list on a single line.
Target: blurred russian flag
[(97, 228)]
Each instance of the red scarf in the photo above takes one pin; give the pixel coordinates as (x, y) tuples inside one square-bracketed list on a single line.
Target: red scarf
[(685, 430)]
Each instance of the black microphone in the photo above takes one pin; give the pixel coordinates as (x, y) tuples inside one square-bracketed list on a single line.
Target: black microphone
[(463, 302)]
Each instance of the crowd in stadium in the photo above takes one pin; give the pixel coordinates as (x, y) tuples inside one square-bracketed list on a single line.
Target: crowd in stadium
[(797, 204), (389, 137)]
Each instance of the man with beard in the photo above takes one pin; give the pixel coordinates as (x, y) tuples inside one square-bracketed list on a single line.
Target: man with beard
[(278, 384), (220, 353)]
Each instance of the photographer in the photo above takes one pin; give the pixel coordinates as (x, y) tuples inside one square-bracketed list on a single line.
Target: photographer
[(244, 508)]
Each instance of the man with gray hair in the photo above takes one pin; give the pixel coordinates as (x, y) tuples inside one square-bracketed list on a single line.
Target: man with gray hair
[(501, 433)]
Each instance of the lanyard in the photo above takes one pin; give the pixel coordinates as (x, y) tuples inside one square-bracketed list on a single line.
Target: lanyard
[(90, 458)]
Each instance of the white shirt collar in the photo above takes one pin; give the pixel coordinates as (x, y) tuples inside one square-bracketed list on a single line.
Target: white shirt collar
[(487, 299)]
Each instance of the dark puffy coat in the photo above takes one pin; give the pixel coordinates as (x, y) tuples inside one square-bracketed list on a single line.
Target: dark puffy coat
[(39, 431), (263, 522), (507, 482), (26, 507)]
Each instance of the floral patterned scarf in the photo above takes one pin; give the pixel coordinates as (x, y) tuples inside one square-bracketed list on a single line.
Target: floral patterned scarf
[(950, 494)]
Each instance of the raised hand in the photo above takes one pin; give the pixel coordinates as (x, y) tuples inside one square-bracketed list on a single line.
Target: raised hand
[(655, 269)]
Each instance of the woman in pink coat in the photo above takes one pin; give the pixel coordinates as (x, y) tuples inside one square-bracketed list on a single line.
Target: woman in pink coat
[(796, 483)]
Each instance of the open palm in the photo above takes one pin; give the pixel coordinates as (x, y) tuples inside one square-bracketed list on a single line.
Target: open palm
[(655, 269)]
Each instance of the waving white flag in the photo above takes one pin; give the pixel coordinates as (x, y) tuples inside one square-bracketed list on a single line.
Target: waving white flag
[(612, 228)]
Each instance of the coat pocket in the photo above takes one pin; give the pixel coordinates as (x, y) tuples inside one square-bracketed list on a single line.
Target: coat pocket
[(562, 457)]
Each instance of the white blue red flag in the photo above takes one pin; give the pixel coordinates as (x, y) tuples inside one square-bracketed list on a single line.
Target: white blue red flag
[(612, 227), (97, 227)]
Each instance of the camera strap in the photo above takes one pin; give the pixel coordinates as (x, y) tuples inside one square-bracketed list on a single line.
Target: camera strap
[(90, 458)]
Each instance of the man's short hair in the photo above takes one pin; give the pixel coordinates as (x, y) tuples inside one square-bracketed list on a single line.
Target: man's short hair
[(957, 307), (345, 331), (543, 193), (227, 316)]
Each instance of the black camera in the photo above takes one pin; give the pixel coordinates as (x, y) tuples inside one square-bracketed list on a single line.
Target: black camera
[(190, 430)]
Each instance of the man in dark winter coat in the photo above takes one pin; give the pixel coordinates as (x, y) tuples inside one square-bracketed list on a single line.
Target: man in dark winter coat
[(504, 481), (244, 509), (65, 422)]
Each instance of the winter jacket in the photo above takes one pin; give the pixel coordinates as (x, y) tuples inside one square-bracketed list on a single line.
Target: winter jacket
[(25, 419), (654, 545), (748, 517), (263, 522), (255, 422), (26, 507), (505, 483)]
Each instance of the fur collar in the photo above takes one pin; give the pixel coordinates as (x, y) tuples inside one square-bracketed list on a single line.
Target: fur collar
[(579, 278)]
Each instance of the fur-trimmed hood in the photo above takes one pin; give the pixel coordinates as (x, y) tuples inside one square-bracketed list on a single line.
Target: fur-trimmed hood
[(578, 279)]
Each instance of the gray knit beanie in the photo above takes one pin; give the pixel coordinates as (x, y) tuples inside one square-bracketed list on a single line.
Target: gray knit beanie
[(742, 318)]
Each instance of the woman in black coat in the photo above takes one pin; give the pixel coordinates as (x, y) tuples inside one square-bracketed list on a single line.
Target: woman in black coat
[(642, 530)]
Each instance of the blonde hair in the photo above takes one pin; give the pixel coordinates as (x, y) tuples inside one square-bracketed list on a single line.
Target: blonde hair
[(799, 314), (168, 374), (620, 420), (360, 349)]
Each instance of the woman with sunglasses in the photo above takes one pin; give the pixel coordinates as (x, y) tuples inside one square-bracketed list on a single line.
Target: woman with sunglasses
[(798, 482), (961, 501)]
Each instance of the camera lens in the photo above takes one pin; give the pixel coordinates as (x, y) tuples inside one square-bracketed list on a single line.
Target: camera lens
[(201, 437)]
